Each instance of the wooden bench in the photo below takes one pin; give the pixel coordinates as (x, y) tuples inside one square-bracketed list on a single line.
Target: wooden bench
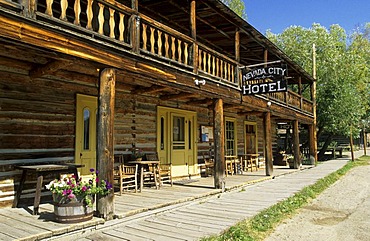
[(335, 150), (41, 170)]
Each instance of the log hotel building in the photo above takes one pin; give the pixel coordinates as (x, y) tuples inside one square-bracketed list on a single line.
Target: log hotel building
[(83, 80)]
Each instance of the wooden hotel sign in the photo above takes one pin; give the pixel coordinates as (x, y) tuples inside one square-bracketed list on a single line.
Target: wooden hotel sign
[(264, 80)]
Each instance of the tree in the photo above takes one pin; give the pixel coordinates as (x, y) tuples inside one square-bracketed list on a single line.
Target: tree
[(342, 74), (237, 6)]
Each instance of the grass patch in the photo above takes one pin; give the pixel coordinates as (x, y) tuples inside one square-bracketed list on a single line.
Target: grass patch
[(261, 225)]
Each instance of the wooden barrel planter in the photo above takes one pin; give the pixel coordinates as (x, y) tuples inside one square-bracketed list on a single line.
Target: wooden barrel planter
[(72, 212)]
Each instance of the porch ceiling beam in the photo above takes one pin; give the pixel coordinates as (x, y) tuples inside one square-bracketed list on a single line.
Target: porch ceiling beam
[(177, 96), (231, 106), (48, 68), (149, 90), (256, 113), (206, 101)]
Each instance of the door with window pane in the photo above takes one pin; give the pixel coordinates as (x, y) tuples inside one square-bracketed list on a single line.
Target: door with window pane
[(179, 140), (85, 152), (176, 140), (250, 138)]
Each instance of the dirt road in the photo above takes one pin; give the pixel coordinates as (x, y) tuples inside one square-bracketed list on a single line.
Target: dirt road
[(342, 212)]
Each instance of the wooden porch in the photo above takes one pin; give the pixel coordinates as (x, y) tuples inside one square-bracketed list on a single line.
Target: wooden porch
[(19, 223)]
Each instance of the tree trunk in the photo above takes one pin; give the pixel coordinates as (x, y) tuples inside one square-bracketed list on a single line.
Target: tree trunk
[(325, 146)]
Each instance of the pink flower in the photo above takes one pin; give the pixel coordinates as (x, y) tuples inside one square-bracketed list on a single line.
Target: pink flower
[(84, 188), (71, 195)]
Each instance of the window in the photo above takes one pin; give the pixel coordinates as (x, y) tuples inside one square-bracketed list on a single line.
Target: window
[(230, 141), (178, 137), (162, 133), (86, 140)]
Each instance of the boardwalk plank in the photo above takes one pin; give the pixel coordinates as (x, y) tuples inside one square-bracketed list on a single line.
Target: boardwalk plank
[(125, 235), (156, 234), (173, 227), (33, 228), (184, 224), (200, 218), (102, 236), (5, 237)]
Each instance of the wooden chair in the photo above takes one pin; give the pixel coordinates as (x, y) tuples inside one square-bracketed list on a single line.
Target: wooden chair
[(125, 175), (150, 171), (229, 165), (208, 166), (164, 172)]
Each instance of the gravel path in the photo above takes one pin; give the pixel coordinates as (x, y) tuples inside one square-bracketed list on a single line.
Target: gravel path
[(342, 212)]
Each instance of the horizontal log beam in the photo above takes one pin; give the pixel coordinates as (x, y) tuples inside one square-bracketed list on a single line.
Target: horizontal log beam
[(178, 96), (49, 68)]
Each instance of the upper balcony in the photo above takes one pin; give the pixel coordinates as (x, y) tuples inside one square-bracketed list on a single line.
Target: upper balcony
[(202, 38)]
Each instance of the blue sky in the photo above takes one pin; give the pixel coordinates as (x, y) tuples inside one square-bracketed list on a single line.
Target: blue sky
[(278, 15)]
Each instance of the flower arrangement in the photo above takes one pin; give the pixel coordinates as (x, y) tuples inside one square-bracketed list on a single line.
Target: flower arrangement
[(68, 189), (137, 153)]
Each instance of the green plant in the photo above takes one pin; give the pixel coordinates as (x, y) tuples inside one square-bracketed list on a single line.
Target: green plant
[(67, 189)]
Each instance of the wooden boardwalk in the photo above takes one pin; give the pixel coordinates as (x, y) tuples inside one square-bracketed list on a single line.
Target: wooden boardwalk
[(169, 213)]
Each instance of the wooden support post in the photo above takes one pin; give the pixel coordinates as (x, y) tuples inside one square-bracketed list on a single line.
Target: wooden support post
[(265, 57), (237, 78), (135, 5), (135, 34), (193, 33), (105, 136), (29, 8), (237, 45), (351, 144), (297, 153), (300, 92), (268, 144), (365, 141), (313, 98), (219, 144), (311, 131)]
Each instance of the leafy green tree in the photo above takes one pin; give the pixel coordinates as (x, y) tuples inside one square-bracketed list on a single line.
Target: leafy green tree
[(237, 6), (342, 74)]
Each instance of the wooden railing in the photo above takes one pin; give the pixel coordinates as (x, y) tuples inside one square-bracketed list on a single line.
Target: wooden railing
[(107, 18), (280, 96), (292, 99), (216, 65), (307, 106), (166, 43)]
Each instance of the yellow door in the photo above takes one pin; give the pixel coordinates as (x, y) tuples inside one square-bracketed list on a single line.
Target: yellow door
[(178, 145), (176, 140), (85, 152)]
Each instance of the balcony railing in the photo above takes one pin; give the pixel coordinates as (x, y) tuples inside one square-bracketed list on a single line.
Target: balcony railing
[(217, 66), (116, 23), (165, 43), (293, 99)]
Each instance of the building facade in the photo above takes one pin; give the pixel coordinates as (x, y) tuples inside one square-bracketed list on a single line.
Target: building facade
[(82, 80)]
